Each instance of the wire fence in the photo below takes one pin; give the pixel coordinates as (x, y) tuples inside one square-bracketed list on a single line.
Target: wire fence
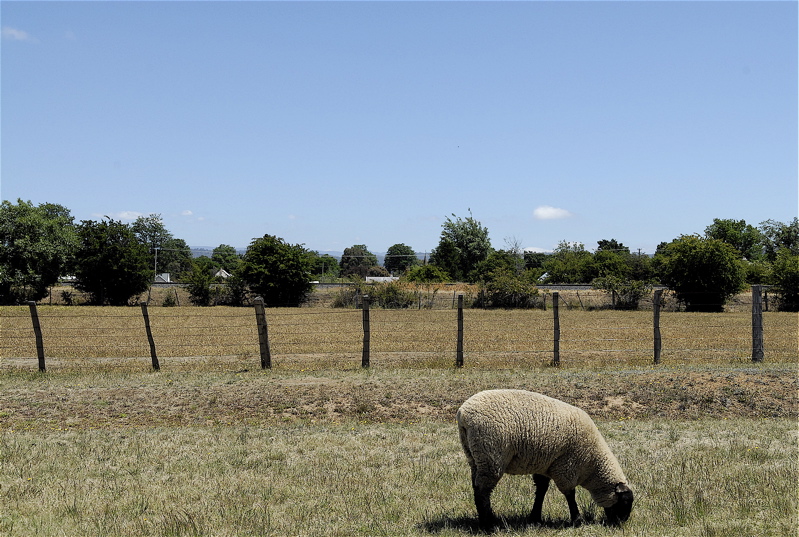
[(320, 338)]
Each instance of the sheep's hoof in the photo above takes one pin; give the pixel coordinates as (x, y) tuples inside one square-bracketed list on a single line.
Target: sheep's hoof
[(489, 525)]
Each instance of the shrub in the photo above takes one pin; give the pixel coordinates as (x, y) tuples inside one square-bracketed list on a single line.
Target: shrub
[(786, 280), (277, 271), (392, 295), (426, 274), (505, 289), (627, 294), (703, 273)]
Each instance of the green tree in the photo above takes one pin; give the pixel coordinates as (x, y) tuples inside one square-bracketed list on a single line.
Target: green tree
[(324, 267), (505, 288), (463, 244), (746, 239), (570, 263), (112, 266), (167, 254), (704, 273), (785, 278), (277, 271), (778, 236), (399, 258), (426, 274), (37, 245), (198, 284), (626, 293), (226, 257), (357, 261)]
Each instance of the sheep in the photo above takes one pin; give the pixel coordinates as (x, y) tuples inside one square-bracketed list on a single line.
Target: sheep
[(519, 432)]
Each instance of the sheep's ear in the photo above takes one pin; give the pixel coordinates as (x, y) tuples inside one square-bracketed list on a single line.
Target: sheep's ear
[(622, 488)]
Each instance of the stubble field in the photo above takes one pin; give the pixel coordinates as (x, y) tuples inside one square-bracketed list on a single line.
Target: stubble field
[(212, 445)]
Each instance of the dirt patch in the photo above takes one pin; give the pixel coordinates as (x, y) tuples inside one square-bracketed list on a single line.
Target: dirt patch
[(258, 398)]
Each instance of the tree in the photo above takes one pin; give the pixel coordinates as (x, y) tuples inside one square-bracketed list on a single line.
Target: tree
[(611, 245), (226, 257), (111, 264), (198, 284), (462, 246), (277, 271), (746, 239), (37, 245), (704, 273), (167, 254), (778, 235), (570, 263), (500, 261), (786, 279), (399, 258), (626, 293), (324, 266), (426, 274), (357, 261), (505, 288)]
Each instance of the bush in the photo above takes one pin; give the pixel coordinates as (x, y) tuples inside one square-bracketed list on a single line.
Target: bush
[(786, 280), (627, 294), (703, 273), (277, 271), (504, 289), (392, 295), (198, 284), (426, 274)]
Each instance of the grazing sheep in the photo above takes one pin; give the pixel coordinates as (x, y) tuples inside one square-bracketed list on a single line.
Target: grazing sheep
[(519, 432)]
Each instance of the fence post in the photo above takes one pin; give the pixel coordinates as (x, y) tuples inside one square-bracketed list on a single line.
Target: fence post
[(459, 349), (150, 339), (263, 333), (555, 309), (656, 323), (757, 323), (366, 332), (37, 331)]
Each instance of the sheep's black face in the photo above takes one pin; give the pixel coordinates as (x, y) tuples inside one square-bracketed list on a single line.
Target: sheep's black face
[(620, 511)]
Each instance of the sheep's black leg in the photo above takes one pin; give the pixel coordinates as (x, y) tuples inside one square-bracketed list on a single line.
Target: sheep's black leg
[(483, 486), (574, 512), (541, 486)]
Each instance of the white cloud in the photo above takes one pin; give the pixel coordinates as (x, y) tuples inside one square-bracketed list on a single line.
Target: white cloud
[(537, 250), (15, 35), (186, 213), (546, 212)]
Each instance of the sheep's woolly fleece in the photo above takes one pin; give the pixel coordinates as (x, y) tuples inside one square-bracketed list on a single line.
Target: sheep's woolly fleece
[(521, 432)]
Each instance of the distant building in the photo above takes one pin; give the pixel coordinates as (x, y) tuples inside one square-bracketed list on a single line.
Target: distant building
[(222, 273), (381, 279), (163, 278)]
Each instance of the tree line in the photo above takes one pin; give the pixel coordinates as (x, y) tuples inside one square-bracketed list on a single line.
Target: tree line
[(113, 262)]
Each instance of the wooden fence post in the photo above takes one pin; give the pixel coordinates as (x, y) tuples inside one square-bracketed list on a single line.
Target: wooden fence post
[(656, 323), (366, 332), (556, 317), (459, 348), (757, 323), (37, 331), (263, 333), (150, 340)]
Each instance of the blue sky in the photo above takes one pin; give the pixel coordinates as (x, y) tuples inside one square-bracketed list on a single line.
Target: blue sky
[(332, 124)]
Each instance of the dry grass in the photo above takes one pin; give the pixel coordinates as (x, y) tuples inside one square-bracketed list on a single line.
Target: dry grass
[(721, 478), (326, 338)]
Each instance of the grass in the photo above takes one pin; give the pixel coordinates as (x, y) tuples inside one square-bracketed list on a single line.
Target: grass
[(706, 477), (213, 445), (303, 338)]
